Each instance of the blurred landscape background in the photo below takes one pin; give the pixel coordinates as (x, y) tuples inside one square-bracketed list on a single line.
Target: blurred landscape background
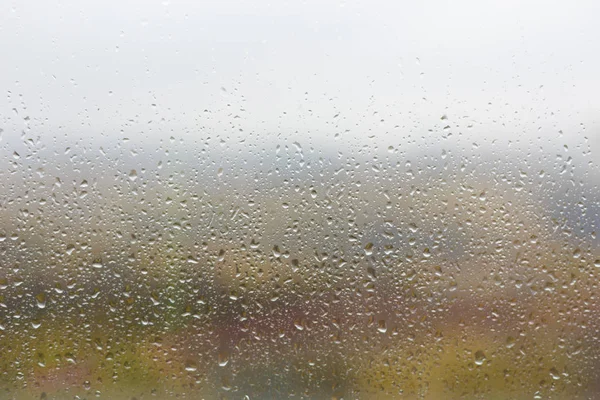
[(323, 201)]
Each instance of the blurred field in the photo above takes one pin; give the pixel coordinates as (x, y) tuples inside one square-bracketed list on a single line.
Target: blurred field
[(400, 286)]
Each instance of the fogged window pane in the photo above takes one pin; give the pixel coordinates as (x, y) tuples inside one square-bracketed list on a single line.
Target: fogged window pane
[(268, 200)]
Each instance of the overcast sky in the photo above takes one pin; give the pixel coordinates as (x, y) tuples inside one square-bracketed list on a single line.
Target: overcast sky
[(364, 70)]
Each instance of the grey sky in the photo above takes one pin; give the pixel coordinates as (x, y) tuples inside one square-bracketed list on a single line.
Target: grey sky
[(388, 69)]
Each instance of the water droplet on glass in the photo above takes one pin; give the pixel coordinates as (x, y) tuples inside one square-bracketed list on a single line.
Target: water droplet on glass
[(382, 326), (133, 175), (479, 357)]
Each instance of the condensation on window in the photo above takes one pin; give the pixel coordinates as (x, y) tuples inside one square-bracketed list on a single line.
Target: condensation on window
[(308, 200)]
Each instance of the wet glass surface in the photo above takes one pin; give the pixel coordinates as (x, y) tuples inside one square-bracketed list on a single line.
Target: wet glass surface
[(255, 200)]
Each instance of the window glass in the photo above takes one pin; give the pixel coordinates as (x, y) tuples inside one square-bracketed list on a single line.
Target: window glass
[(316, 199)]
